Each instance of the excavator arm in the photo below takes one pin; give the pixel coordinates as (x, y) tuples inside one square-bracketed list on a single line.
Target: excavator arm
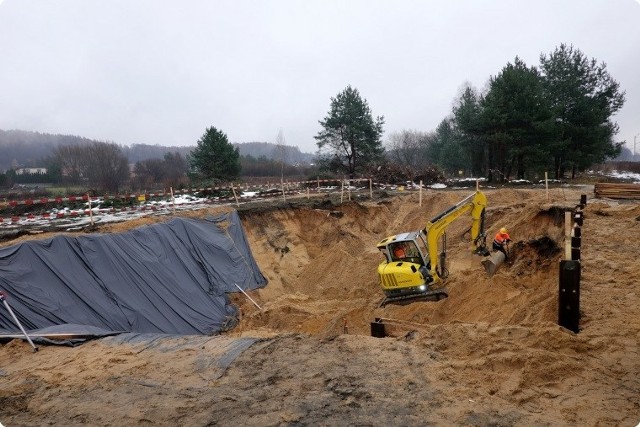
[(476, 204)]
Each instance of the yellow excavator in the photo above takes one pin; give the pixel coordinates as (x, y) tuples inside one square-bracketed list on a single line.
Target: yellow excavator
[(413, 268)]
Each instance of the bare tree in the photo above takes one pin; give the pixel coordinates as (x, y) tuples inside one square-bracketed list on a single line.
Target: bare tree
[(410, 148), (176, 169), (281, 151), (107, 167), (149, 172), (168, 172), (99, 164), (71, 163)]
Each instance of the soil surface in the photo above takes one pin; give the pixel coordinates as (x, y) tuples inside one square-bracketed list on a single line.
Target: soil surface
[(489, 354)]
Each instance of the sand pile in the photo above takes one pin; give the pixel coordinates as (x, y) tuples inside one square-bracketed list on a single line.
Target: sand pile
[(491, 353)]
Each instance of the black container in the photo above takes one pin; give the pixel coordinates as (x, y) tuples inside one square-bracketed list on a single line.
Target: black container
[(377, 329)]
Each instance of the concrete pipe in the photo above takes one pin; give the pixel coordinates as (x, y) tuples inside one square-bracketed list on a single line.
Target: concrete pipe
[(494, 262)]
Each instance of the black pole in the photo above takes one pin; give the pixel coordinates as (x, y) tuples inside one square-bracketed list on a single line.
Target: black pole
[(569, 295)]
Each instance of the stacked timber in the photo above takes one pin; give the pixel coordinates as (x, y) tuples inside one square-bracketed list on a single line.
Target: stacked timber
[(617, 191)]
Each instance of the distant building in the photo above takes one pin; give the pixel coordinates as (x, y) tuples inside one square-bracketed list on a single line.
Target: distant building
[(31, 171)]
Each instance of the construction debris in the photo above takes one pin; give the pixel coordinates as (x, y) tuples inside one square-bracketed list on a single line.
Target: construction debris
[(617, 191)]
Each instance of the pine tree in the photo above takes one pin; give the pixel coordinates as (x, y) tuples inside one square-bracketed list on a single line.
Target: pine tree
[(215, 158), (583, 98), (350, 139)]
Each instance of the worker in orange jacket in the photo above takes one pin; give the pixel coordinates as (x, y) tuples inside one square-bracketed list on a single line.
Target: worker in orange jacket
[(501, 241), (400, 251)]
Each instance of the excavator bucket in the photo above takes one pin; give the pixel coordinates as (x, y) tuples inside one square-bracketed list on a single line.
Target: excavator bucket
[(494, 262)]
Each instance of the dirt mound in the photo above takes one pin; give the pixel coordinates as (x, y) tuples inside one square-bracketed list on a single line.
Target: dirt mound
[(489, 354)]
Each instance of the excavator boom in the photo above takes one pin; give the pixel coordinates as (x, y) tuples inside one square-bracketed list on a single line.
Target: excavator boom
[(476, 204)]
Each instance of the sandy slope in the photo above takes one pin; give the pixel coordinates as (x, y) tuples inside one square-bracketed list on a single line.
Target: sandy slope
[(490, 354)]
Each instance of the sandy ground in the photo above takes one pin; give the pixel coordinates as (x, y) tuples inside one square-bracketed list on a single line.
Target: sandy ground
[(490, 354)]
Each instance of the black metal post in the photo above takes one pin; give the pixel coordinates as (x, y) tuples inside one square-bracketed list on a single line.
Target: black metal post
[(578, 217), (583, 200), (569, 295)]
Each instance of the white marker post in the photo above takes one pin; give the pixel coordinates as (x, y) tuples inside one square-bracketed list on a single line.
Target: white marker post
[(90, 210), (15, 319), (246, 295), (567, 235)]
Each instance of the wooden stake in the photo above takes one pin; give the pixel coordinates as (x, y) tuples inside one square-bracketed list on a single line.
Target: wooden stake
[(235, 196), (567, 235), (546, 184)]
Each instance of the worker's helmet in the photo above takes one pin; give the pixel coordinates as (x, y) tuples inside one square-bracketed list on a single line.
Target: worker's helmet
[(504, 230)]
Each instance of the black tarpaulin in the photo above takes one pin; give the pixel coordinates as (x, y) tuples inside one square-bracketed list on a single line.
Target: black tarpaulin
[(164, 278)]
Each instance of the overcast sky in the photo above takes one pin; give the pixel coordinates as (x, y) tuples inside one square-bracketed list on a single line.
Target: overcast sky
[(161, 72)]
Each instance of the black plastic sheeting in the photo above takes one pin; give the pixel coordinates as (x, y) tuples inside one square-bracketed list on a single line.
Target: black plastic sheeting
[(167, 278), (67, 334)]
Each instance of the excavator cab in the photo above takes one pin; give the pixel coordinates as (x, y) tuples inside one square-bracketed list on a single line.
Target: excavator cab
[(404, 271), (407, 248)]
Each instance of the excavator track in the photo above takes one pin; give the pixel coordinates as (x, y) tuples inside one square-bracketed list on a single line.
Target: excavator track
[(436, 294)]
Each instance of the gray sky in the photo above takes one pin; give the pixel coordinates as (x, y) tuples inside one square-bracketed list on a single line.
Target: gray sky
[(161, 72)]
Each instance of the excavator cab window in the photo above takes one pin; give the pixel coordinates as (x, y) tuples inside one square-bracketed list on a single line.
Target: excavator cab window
[(406, 251), (422, 248)]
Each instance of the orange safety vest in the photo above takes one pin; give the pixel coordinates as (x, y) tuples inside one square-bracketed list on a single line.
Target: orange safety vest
[(500, 238), (398, 252)]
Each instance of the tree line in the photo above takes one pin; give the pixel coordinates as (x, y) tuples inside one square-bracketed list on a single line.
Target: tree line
[(107, 167), (555, 117)]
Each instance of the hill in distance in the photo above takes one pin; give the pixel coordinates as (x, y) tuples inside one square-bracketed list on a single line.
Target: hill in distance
[(19, 148)]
